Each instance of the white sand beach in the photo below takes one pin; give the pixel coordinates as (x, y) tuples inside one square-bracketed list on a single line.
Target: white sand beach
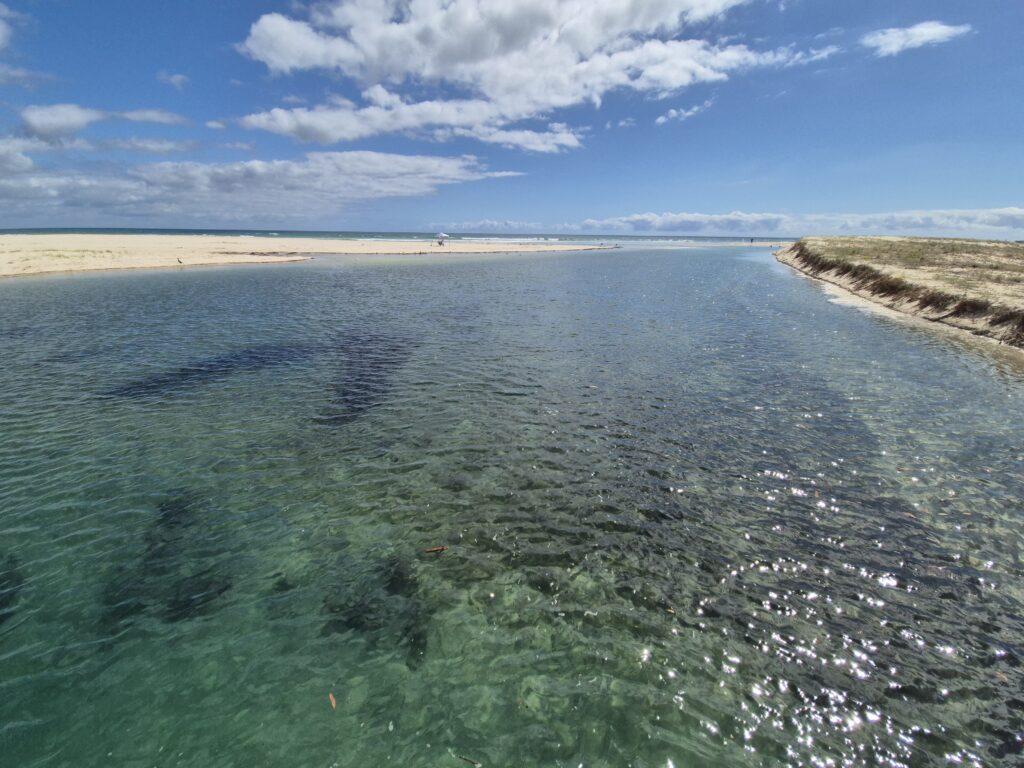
[(35, 254)]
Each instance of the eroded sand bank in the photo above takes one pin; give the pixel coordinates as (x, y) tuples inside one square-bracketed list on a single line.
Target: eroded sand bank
[(974, 287)]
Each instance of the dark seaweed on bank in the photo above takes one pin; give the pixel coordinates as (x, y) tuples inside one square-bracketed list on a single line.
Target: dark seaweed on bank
[(378, 599), (11, 582), (1009, 321), (369, 364), (179, 573), (211, 369)]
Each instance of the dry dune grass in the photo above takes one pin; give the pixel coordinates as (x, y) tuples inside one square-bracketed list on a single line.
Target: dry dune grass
[(975, 285)]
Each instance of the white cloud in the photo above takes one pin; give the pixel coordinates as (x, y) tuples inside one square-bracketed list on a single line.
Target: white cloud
[(15, 151), (58, 120), (216, 125), (55, 121), (151, 116), (490, 225), (154, 146), (688, 222), (509, 62), (13, 157), (6, 31), (176, 81), (800, 58), (18, 76), (241, 146), (10, 75), (319, 184), (890, 42), (558, 137), (985, 222), (683, 114), (345, 122), (7, 13)]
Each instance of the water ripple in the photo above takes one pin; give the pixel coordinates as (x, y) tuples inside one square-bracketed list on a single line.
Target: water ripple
[(589, 509)]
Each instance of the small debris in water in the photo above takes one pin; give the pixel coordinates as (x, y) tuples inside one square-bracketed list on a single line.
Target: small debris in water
[(334, 701), (435, 550)]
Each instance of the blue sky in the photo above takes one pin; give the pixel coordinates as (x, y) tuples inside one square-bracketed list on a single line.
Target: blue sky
[(759, 117)]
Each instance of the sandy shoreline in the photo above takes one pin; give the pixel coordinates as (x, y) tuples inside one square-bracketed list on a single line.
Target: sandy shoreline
[(39, 254), (908, 305)]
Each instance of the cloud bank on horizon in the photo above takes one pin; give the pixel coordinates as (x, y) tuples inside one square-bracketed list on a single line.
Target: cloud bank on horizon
[(550, 114)]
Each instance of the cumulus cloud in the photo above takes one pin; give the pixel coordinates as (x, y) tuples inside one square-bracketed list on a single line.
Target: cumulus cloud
[(216, 125), (986, 222), (683, 114), (319, 184), (176, 81), (56, 121), (890, 42), (510, 62)]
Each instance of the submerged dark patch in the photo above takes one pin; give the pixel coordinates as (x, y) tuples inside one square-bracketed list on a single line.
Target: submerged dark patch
[(380, 599), (191, 595), (178, 575), (11, 582), (211, 369), (369, 364)]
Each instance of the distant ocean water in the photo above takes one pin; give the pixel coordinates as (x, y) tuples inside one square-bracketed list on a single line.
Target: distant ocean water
[(370, 235), (695, 514)]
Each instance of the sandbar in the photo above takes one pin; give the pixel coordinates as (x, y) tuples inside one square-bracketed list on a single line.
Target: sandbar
[(50, 253)]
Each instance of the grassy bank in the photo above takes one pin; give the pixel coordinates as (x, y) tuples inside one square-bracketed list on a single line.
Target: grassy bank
[(974, 285)]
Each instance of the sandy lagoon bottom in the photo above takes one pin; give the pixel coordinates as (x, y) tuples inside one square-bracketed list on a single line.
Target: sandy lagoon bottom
[(695, 513)]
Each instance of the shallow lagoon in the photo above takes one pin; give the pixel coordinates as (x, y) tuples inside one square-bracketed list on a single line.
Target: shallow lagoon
[(695, 513)]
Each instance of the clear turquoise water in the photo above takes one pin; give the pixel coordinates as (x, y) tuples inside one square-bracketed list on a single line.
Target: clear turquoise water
[(695, 515)]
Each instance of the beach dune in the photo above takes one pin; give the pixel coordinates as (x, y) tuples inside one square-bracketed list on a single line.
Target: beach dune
[(35, 254), (975, 286)]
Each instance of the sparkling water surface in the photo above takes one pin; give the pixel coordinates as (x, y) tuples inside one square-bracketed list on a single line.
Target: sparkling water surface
[(695, 515)]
